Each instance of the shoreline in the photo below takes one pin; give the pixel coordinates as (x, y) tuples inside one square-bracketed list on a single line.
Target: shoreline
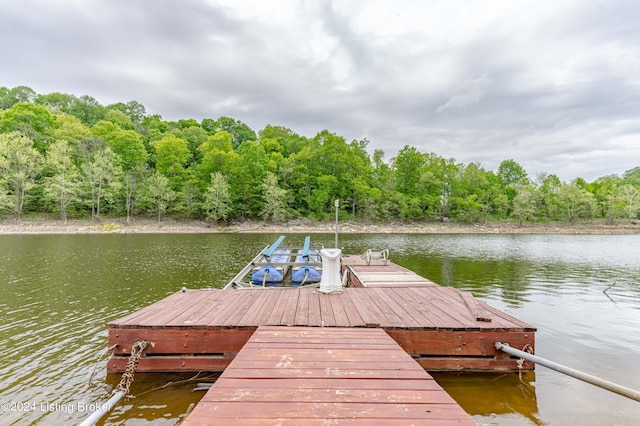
[(145, 226)]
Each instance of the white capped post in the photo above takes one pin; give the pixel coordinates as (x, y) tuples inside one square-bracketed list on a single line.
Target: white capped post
[(330, 281)]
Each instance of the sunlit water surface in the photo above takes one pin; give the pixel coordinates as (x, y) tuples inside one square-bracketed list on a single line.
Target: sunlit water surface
[(58, 291)]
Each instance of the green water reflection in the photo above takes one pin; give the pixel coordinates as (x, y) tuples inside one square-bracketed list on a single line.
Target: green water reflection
[(58, 291)]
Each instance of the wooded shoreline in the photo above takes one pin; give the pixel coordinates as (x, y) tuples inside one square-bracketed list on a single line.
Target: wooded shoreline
[(145, 226)]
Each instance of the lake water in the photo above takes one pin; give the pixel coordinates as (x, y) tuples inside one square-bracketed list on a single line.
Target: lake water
[(58, 291)]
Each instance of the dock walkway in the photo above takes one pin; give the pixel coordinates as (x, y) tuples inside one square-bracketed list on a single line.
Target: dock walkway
[(322, 375)]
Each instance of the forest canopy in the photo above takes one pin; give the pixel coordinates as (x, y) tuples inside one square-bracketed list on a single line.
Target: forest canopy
[(75, 158)]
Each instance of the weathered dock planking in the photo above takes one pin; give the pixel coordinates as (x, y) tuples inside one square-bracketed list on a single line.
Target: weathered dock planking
[(442, 328), (303, 375), (380, 274)]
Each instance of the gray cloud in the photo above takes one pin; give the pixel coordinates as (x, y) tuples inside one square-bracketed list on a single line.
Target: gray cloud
[(553, 85), (470, 92)]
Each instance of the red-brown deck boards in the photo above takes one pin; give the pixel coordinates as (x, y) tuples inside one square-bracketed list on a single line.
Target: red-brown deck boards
[(437, 325), (301, 375), (289, 315), (200, 308), (302, 308)]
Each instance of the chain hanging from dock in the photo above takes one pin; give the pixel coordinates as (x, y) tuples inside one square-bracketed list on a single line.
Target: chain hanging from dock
[(127, 377), (528, 349), (123, 387)]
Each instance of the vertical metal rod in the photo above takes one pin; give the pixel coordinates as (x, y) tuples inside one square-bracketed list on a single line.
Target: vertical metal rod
[(613, 387), (337, 203)]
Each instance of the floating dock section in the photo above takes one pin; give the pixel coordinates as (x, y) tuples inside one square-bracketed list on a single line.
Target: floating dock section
[(303, 375), (441, 328)]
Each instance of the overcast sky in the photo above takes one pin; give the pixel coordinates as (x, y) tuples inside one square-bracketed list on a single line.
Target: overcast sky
[(554, 85)]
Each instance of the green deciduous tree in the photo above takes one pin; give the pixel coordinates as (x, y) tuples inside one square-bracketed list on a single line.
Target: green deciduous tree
[(468, 208), (512, 177), (524, 204), (119, 118), (408, 167), (290, 141), (381, 173), (239, 131), (512, 174), (21, 163), (318, 202), (195, 136), (359, 197), (152, 129), (357, 176), (134, 110), (6, 202), (603, 189), (298, 180), (370, 207), (101, 173), (189, 197), (88, 110), (217, 200), (34, 121), (10, 97), (439, 183), (172, 156), (632, 177), (70, 129), (58, 102), (159, 194), (549, 187), (127, 144), (471, 200), (246, 186), (218, 156), (5, 100), (330, 155), (575, 201), (62, 185), (630, 196), (132, 184), (274, 206)]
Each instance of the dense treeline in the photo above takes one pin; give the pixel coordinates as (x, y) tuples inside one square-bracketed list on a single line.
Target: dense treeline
[(77, 158)]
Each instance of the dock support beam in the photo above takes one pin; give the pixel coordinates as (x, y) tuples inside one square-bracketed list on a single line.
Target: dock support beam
[(604, 384)]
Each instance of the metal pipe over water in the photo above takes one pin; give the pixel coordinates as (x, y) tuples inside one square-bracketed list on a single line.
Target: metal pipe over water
[(103, 409), (613, 387)]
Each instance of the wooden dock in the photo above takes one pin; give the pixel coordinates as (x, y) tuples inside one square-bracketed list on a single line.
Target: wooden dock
[(302, 375), (442, 328)]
